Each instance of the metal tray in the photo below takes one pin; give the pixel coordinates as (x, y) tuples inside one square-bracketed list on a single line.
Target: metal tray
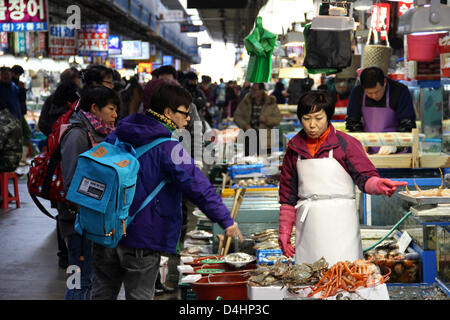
[(423, 200)]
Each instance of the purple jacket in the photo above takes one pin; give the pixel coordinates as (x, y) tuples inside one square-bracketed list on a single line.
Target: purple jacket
[(347, 151), (157, 227)]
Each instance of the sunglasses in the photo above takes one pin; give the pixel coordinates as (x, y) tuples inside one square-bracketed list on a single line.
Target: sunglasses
[(186, 114)]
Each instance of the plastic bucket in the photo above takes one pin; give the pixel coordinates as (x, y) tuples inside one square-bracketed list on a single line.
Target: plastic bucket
[(422, 47), (221, 286)]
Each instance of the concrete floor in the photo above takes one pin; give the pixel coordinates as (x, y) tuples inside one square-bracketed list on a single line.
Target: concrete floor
[(28, 261)]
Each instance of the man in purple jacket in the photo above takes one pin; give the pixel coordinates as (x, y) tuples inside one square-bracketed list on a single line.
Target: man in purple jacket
[(135, 261)]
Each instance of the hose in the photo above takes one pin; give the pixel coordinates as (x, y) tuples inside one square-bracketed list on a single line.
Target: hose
[(389, 233)]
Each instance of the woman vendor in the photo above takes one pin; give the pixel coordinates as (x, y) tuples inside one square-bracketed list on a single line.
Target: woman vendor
[(317, 186)]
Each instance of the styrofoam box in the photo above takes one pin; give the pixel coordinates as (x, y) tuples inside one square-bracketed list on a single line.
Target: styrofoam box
[(378, 292)]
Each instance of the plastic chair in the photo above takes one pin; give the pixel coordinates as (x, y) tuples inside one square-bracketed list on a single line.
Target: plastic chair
[(6, 199)]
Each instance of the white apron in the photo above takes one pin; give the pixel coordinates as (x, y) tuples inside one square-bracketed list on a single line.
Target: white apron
[(327, 223)]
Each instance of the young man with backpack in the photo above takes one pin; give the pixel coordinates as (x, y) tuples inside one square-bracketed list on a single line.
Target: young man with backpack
[(134, 262), (90, 125)]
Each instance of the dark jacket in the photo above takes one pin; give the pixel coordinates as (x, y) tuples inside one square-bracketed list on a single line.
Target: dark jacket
[(157, 227), (400, 101), (10, 94), (49, 114), (346, 150)]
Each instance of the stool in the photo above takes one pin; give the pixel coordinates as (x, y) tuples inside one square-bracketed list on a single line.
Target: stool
[(6, 199)]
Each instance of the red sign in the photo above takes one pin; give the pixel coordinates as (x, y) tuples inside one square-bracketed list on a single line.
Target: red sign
[(380, 19), (403, 7), (145, 67), (93, 40), (23, 15)]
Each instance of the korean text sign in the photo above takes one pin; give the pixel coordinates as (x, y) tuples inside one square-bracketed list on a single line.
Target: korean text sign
[(93, 40), (62, 41), (23, 15)]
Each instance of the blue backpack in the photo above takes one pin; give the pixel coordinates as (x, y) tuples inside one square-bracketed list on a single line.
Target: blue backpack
[(103, 185)]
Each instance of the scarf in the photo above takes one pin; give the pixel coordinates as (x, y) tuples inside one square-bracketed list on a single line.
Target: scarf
[(169, 124), (98, 124), (314, 144)]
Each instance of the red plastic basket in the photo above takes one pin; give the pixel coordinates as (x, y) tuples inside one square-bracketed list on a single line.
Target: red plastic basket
[(423, 47)]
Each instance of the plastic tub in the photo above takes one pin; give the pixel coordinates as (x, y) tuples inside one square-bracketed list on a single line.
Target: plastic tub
[(422, 47), (221, 286), (431, 146)]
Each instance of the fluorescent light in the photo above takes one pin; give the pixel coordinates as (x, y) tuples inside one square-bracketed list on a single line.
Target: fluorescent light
[(363, 5), (332, 23)]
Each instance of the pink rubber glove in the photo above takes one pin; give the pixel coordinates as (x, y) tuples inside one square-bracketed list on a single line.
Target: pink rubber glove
[(379, 186), (287, 219)]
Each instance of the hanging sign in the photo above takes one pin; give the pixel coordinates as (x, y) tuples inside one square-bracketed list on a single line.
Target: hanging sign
[(93, 40), (23, 15), (167, 60), (3, 40), (145, 67), (62, 41), (191, 28), (20, 42), (404, 6), (380, 19), (114, 45)]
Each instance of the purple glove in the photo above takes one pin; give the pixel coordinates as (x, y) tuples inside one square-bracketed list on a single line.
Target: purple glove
[(379, 186), (287, 219)]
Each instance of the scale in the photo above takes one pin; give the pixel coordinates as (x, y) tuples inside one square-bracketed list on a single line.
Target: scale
[(428, 209)]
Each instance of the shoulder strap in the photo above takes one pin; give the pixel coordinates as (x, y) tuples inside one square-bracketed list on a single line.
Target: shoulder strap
[(139, 152), (143, 149)]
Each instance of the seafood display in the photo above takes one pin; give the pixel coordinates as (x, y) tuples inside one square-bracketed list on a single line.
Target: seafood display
[(268, 239), (442, 191), (238, 259), (288, 274), (348, 276), (199, 234), (387, 257)]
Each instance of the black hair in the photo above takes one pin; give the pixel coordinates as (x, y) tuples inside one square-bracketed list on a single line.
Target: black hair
[(260, 86), (191, 76), (279, 86), (95, 73), (70, 74), (67, 91), (3, 68), (17, 70), (98, 95), (314, 101), (171, 96), (371, 76), (167, 69)]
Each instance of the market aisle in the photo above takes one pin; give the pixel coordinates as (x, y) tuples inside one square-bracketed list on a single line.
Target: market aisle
[(28, 261)]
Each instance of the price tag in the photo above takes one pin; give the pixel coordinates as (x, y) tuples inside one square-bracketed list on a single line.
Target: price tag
[(404, 242)]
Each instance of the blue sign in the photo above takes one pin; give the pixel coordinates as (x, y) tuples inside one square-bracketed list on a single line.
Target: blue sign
[(114, 45), (167, 60), (119, 63), (61, 31), (23, 26)]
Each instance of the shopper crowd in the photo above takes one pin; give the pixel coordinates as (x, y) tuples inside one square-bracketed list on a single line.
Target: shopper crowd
[(109, 107)]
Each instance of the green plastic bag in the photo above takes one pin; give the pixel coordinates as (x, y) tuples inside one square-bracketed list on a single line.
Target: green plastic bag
[(259, 45)]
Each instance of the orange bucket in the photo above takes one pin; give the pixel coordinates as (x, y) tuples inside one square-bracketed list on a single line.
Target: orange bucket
[(221, 286), (423, 47)]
